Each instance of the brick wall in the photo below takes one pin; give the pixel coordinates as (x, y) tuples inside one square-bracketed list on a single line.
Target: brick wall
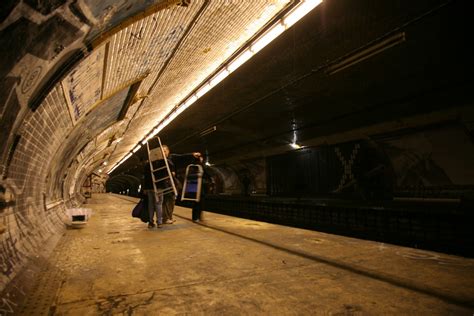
[(29, 217)]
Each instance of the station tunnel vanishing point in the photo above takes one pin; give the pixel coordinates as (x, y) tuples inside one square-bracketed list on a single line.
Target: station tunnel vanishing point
[(353, 118)]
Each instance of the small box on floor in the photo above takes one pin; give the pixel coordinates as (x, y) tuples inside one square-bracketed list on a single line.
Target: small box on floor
[(79, 216)]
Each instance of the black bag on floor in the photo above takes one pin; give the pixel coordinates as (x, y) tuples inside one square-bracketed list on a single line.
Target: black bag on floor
[(144, 215), (139, 209)]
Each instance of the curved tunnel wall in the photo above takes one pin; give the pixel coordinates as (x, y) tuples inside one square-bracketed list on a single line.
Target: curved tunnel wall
[(53, 145), (37, 192), (46, 155), (69, 95), (32, 216)]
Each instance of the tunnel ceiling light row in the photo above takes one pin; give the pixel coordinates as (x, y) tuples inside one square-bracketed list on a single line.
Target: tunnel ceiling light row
[(120, 162), (281, 25)]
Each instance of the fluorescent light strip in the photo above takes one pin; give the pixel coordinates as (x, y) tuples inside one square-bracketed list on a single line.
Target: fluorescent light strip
[(111, 170), (274, 31), (126, 157), (240, 60), (148, 138), (300, 10), (190, 101), (203, 90), (180, 109), (123, 160), (221, 75)]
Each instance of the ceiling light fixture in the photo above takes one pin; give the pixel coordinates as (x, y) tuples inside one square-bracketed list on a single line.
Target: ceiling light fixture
[(208, 131), (203, 90), (221, 75), (296, 146), (272, 33), (300, 11), (189, 101), (240, 60), (370, 50), (288, 20), (127, 156)]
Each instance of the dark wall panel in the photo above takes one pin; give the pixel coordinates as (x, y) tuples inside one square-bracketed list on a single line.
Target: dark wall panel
[(434, 225), (350, 169)]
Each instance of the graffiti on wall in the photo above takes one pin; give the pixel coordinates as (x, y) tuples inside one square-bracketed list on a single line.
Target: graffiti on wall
[(347, 163), (7, 306), (24, 226), (25, 67), (84, 84), (438, 157), (11, 255)]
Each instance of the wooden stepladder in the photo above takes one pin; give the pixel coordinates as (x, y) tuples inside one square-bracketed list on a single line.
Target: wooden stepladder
[(160, 170), (192, 183)]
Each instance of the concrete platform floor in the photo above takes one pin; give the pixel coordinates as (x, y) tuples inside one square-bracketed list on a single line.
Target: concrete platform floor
[(232, 266)]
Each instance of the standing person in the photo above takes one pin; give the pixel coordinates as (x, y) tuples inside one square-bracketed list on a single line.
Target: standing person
[(169, 199), (246, 184), (154, 199), (197, 206)]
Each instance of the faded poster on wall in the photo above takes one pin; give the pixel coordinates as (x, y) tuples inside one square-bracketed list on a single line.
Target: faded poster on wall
[(437, 157)]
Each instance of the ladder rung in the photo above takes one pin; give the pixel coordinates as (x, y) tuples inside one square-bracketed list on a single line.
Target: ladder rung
[(165, 191), (161, 168), (159, 180)]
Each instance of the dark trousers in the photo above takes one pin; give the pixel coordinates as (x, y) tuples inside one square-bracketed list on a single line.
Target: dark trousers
[(154, 205), (197, 209), (168, 207)]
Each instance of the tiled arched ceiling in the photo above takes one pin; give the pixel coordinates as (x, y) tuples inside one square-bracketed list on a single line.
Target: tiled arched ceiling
[(73, 66), (166, 54), (114, 70)]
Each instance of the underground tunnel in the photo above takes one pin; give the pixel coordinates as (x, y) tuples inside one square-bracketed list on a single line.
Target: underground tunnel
[(335, 138)]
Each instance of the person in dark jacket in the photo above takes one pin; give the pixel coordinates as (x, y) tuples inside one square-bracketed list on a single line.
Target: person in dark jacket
[(169, 199), (197, 206)]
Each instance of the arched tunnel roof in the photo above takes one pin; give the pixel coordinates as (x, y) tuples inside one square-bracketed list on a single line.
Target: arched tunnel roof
[(276, 90), (110, 75), (121, 182)]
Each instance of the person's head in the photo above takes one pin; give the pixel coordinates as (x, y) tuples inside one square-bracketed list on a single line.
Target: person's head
[(166, 150)]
